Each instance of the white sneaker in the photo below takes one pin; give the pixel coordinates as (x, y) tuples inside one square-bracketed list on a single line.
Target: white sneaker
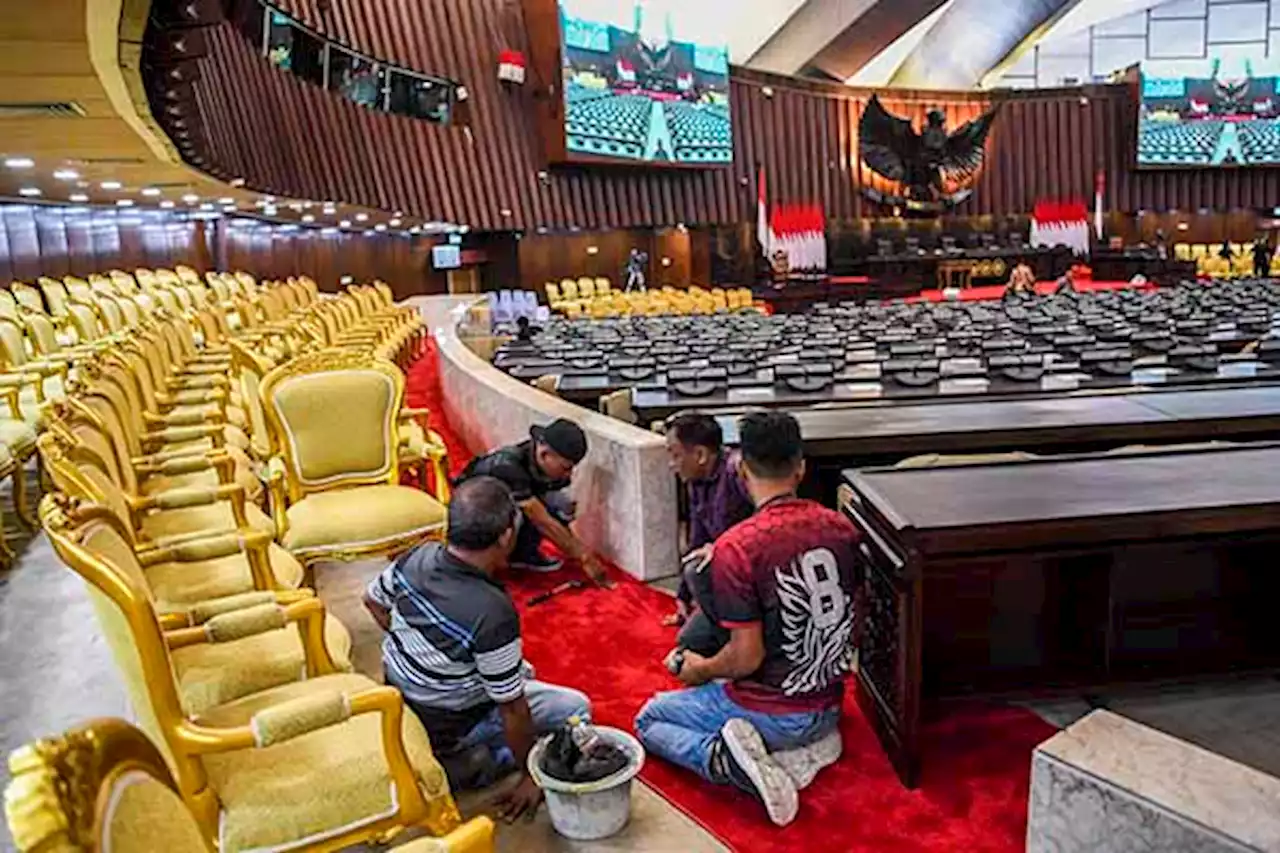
[(803, 763), (771, 783)]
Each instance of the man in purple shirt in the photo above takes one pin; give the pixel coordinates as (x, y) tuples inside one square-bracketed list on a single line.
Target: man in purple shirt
[(717, 501)]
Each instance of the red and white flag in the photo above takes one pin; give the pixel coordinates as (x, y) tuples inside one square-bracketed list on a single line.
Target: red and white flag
[(1099, 187), (762, 216)]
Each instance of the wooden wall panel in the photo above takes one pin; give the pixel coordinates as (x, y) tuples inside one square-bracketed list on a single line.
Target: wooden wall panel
[(52, 240), (293, 139)]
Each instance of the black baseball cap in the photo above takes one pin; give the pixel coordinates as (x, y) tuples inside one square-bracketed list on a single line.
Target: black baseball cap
[(564, 437)]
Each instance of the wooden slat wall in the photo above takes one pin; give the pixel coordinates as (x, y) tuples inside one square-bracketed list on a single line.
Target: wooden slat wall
[(291, 138), (38, 240)]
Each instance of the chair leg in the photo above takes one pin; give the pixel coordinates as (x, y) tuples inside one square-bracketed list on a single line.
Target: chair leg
[(21, 504)]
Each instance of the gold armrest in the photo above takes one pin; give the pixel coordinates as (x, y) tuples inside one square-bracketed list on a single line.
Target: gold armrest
[(181, 434), (279, 501), (308, 614), (199, 612), (10, 393), (206, 740), (21, 379), (196, 496), (200, 417)]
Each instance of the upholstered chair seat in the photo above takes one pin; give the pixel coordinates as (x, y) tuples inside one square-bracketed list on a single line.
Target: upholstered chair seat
[(167, 523), (17, 436), (313, 784), (343, 524)]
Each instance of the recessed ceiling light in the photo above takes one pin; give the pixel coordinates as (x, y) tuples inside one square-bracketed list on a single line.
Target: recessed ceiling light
[(226, 200), (415, 230), (362, 217), (237, 182), (29, 192), (66, 174), (19, 162), (111, 185), (228, 208), (166, 204), (308, 218), (346, 223), (346, 279), (191, 198), (206, 206), (124, 202), (395, 223), (398, 213), (150, 192), (379, 228), (78, 198)]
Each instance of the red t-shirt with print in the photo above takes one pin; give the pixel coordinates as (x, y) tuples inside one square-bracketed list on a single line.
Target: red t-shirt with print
[(794, 568)]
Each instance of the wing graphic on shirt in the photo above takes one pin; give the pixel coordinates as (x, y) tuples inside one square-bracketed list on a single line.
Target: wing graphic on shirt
[(819, 655)]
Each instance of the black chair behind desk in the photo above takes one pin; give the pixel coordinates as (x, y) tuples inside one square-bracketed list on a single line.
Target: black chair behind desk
[(1045, 574)]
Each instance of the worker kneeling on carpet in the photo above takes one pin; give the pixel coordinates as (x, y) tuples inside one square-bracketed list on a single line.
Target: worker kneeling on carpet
[(453, 648), (762, 713)]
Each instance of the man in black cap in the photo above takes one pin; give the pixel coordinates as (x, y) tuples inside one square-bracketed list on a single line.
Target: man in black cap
[(537, 472)]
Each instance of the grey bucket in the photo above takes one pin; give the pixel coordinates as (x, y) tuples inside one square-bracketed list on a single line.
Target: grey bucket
[(586, 811)]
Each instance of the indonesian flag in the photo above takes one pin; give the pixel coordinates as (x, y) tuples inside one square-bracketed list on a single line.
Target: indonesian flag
[(1058, 223), (799, 230), (684, 81), (511, 66), (626, 71), (1099, 187), (763, 233)]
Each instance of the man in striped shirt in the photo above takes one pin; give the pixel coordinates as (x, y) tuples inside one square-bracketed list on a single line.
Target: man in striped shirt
[(453, 647)]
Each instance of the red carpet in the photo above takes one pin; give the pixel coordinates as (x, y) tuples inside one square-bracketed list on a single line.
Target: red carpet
[(609, 643)]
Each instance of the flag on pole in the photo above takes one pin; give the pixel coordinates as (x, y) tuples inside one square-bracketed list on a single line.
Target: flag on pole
[(1099, 186), (762, 216)]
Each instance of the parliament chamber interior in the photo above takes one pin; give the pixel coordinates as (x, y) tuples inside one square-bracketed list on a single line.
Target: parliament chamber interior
[(457, 426)]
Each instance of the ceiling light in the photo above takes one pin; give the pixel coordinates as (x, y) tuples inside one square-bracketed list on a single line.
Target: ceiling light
[(415, 230), (346, 223), (228, 208), (66, 174), (328, 231), (19, 162), (329, 211), (268, 198), (269, 210), (379, 228), (166, 204), (237, 182), (346, 279), (206, 206), (308, 218), (395, 223), (29, 192), (226, 200), (124, 202), (150, 192), (191, 198), (398, 213), (78, 198), (362, 217), (111, 185)]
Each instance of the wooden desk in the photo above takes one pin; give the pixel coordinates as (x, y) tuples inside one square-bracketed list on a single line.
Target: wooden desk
[(893, 431), (1080, 570)]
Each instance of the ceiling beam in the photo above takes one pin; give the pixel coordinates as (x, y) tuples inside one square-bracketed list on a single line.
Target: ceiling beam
[(883, 23)]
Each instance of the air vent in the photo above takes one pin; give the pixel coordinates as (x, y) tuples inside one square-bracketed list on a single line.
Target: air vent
[(59, 109)]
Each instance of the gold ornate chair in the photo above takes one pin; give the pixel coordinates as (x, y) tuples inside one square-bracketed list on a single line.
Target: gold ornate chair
[(104, 786), (320, 764), (334, 420)]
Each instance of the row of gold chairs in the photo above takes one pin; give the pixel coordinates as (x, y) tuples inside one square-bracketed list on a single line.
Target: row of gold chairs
[(657, 301), (1211, 263), (237, 675)]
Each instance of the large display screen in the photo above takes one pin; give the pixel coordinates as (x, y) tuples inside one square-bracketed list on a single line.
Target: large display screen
[(1209, 113), (645, 81)]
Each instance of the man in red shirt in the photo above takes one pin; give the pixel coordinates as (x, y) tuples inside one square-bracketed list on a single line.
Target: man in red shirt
[(762, 712)]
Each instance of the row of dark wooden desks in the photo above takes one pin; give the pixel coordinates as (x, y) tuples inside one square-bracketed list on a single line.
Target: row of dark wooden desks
[(1037, 576)]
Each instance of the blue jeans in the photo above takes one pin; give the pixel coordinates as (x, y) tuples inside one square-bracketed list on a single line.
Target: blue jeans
[(550, 706), (682, 725)]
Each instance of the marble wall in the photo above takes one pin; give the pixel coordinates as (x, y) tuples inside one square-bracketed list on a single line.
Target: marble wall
[(1107, 783), (626, 494)]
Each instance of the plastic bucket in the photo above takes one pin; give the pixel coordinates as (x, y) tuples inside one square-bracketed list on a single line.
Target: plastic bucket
[(586, 811)]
